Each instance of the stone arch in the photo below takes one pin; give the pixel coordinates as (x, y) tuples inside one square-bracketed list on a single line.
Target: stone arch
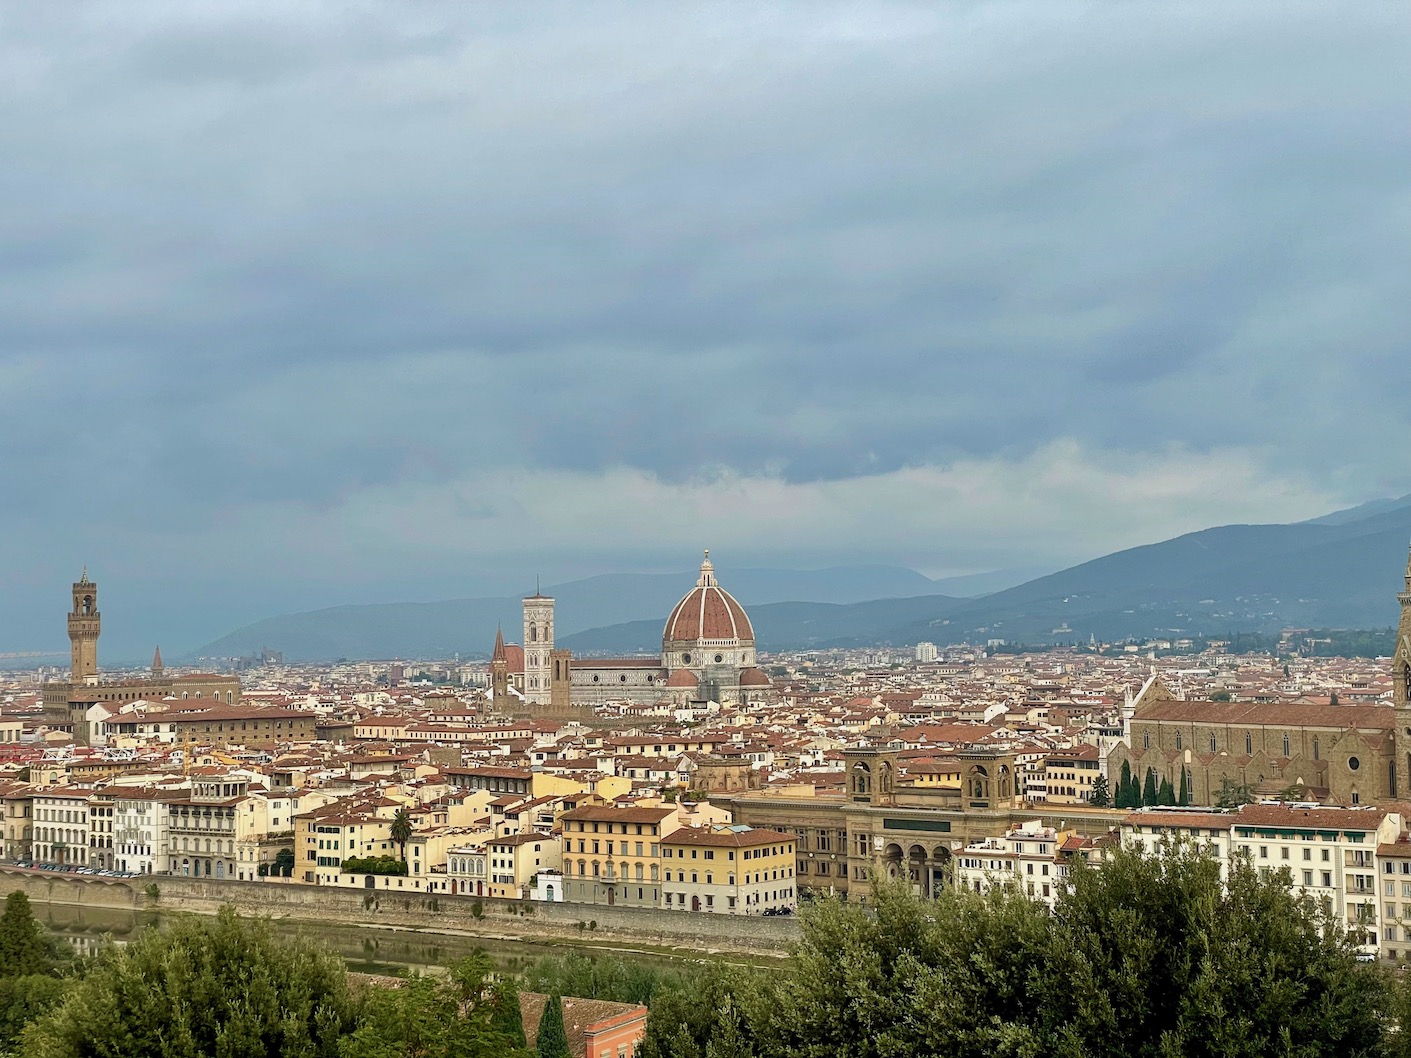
[(861, 779), (977, 782)]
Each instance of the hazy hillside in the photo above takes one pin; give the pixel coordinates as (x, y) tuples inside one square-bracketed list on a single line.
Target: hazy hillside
[(1238, 577), (1340, 570), (467, 626), (781, 625)]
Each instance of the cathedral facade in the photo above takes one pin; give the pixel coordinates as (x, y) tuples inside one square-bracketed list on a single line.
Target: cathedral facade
[(707, 655)]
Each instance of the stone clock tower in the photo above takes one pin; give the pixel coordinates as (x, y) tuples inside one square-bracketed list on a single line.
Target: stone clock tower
[(85, 623)]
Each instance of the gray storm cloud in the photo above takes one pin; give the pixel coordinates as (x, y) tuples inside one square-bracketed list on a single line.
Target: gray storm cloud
[(306, 304)]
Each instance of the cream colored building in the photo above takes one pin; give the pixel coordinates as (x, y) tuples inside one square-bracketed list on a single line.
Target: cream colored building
[(18, 800), (513, 862), (612, 855), (61, 825), (326, 837), (1069, 774), (729, 871)]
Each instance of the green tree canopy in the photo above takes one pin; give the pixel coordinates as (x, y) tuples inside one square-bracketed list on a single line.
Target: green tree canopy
[(222, 987), (29, 959), (373, 865), (461, 1015), (1100, 797), (552, 1041), (507, 1018), (25, 946), (1147, 956), (1164, 794)]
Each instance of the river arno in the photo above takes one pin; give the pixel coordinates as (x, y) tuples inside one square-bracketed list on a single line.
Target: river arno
[(366, 949)]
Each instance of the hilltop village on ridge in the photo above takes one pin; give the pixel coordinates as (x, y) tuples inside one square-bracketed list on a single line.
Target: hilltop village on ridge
[(716, 778)]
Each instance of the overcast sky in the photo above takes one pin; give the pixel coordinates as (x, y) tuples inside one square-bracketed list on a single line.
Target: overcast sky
[(304, 304)]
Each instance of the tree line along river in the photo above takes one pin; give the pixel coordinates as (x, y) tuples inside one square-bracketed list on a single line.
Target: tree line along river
[(365, 949)]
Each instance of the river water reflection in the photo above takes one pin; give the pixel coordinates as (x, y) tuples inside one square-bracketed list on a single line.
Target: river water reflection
[(366, 950)]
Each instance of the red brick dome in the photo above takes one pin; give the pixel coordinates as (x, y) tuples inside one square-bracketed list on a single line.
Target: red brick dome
[(708, 612), (753, 677), (683, 678)]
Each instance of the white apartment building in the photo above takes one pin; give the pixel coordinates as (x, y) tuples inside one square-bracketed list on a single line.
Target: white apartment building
[(60, 832), (1027, 856), (926, 653), (264, 824), (1330, 853), (139, 829), (467, 869), (1208, 829)]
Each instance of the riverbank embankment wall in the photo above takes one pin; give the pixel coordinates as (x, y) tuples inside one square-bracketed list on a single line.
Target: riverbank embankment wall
[(624, 926)]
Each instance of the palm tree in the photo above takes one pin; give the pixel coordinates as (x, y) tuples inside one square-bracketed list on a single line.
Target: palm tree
[(402, 830)]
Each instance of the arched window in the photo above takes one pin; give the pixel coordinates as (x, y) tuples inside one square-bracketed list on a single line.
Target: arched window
[(1248, 744), (533, 632), (1315, 748), (861, 779), (1212, 743), (1286, 746)]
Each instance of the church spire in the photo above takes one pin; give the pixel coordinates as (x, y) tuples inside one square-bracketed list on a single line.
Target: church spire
[(157, 667), (499, 653)]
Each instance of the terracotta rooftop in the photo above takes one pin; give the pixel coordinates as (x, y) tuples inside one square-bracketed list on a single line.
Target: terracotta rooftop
[(735, 839)]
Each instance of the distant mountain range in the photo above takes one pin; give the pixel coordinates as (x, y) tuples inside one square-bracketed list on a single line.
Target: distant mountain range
[(1338, 571), (467, 626)]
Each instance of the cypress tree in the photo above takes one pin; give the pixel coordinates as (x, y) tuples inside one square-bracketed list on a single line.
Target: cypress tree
[(553, 1040), (1124, 787), (507, 1017), (1165, 795), (23, 948), (1149, 790), (1185, 794)]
